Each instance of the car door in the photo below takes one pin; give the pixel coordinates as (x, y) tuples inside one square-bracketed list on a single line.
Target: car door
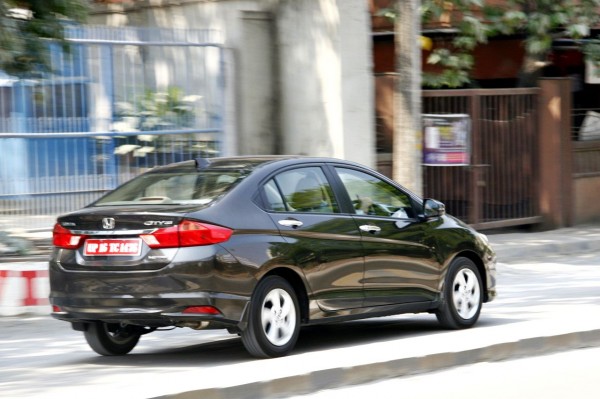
[(399, 265), (319, 239)]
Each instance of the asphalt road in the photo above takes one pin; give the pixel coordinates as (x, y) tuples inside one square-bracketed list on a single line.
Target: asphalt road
[(43, 358)]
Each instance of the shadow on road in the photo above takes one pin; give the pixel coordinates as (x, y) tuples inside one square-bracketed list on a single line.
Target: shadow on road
[(228, 349)]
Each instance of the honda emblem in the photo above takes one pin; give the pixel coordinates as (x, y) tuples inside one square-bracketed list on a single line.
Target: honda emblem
[(108, 223)]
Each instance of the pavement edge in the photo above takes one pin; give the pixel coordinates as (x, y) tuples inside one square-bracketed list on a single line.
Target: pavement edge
[(365, 373)]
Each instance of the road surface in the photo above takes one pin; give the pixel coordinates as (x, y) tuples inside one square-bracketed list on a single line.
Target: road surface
[(43, 358)]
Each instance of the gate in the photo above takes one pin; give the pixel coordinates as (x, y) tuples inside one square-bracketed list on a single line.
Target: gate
[(120, 101), (500, 187)]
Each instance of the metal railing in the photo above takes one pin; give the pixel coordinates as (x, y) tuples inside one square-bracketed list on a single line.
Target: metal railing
[(65, 173), (120, 101), (585, 124), (586, 145), (586, 158), (499, 187)]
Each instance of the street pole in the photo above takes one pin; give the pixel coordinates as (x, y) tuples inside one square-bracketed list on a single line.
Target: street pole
[(407, 97)]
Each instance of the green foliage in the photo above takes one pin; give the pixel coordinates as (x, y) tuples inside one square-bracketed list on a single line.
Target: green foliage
[(592, 52), (25, 25), (447, 78), (456, 62), (541, 21), (156, 111)]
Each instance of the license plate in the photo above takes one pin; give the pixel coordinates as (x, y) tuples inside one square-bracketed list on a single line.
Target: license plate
[(113, 247)]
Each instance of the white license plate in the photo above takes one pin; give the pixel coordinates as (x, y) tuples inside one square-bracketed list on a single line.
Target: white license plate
[(113, 247)]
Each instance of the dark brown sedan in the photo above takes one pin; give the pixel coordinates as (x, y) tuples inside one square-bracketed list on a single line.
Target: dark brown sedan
[(261, 246)]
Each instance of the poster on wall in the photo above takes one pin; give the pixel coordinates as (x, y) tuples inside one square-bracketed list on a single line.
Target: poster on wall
[(446, 140)]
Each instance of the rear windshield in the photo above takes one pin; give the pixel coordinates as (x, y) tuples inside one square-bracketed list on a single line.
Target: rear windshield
[(181, 188)]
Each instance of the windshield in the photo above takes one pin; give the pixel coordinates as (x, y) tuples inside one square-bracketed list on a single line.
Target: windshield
[(173, 187)]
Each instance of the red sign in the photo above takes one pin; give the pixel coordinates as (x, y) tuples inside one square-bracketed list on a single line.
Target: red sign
[(113, 247)]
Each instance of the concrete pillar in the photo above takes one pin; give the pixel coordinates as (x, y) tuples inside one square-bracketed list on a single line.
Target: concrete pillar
[(358, 83), (326, 79), (258, 107)]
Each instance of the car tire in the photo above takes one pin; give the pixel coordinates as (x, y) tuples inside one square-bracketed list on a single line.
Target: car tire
[(462, 295), (274, 319), (111, 339)]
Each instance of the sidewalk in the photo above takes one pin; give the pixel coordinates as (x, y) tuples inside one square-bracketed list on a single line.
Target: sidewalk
[(306, 373), (513, 246)]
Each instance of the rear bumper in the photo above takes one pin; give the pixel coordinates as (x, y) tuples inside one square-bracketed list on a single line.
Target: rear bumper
[(130, 294), (153, 312)]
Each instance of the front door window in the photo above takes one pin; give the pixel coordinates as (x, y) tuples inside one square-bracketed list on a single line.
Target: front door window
[(373, 196)]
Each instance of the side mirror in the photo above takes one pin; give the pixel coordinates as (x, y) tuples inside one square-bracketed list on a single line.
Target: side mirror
[(433, 208)]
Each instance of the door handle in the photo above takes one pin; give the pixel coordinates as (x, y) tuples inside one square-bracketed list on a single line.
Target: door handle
[(290, 223), (369, 228)]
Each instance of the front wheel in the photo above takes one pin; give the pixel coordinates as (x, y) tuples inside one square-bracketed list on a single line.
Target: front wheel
[(111, 339), (462, 295), (274, 319)]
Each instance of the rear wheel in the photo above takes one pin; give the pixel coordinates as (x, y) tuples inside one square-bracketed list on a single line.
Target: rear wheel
[(274, 319), (111, 339), (462, 296)]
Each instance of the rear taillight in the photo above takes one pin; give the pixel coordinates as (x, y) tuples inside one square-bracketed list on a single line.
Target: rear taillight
[(63, 238), (187, 234)]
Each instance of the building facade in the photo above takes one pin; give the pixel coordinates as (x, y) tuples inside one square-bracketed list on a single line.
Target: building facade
[(298, 72)]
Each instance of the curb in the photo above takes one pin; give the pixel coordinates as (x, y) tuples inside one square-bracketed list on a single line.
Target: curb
[(519, 253), (510, 252), (365, 373)]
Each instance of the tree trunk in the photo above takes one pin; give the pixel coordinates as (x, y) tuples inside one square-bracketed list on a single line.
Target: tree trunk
[(407, 93)]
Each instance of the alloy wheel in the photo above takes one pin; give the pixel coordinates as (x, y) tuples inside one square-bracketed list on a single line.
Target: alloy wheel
[(278, 317), (466, 294)]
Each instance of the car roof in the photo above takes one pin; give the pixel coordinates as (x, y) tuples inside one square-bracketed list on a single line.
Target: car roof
[(247, 163)]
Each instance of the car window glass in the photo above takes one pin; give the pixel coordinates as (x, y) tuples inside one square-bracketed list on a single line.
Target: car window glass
[(173, 188), (373, 196), (306, 190), (273, 197)]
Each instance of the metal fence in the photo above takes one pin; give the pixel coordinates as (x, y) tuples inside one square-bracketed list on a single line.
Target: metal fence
[(586, 159), (585, 130), (499, 187), (120, 101), (67, 173), (585, 124)]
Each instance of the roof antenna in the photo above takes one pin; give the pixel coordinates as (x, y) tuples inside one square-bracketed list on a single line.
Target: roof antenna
[(202, 163)]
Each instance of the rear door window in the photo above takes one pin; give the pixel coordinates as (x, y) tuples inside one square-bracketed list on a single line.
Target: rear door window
[(300, 190)]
